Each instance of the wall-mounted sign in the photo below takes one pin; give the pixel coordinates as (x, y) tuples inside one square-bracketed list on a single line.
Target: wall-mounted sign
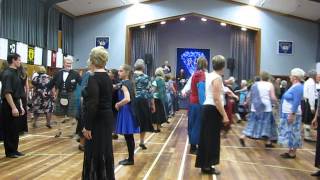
[(103, 41), (285, 47)]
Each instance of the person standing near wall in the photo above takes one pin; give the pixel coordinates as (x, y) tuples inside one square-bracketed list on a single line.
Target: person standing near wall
[(12, 107)]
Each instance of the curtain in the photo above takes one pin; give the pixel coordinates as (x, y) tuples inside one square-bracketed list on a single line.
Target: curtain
[(145, 41), (23, 21), (243, 52), (53, 28), (318, 50), (67, 34)]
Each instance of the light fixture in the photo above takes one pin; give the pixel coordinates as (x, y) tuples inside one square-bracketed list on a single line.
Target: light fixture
[(223, 24), (203, 19), (163, 22), (182, 19), (243, 29), (143, 26)]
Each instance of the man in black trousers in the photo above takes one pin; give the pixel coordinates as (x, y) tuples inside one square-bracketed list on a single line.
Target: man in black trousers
[(12, 110)]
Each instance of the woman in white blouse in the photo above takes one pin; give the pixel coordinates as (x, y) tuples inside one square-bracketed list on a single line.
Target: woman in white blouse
[(213, 116)]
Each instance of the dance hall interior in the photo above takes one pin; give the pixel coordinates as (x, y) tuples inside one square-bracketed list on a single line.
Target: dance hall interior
[(159, 89)]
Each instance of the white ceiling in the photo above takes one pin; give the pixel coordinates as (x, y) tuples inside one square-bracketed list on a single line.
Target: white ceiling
[(81, 7), (307, 9)]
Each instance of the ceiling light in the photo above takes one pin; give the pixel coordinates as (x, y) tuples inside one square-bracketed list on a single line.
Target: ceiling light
[(223, 24), (243, 29), (182, 19), (143, 26), (203, 19), (163, 22)]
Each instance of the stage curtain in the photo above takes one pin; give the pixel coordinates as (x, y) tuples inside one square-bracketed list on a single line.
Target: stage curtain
[(67, 34), (53, 28), (145, 41), (243, 51), (23, 21)]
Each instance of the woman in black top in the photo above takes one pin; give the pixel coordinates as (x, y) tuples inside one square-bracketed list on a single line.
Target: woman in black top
[(23, 125), (98, 155)]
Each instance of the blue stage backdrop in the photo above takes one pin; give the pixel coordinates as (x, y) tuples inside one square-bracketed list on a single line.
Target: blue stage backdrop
[(187, 59)]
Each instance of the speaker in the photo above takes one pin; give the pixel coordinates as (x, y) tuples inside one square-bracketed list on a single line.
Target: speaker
[(230, 63), (148, 59)]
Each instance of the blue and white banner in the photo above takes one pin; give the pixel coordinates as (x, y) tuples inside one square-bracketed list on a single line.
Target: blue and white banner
[(103, 41), (285, 47)]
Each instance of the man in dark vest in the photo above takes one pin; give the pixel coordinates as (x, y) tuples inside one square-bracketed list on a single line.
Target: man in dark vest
[(11, 93), (65, 82)]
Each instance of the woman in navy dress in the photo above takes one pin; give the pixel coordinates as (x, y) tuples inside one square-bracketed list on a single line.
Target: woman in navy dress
[(127, 124)]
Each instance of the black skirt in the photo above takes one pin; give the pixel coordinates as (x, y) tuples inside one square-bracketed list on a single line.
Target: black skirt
[(143, 114), (317, 158), (209, 146), (159, 116)]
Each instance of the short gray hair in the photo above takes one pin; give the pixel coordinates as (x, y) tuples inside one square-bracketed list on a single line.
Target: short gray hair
[(68, 58), (297, 72), (218, 62), (312, 73), (139, 64)]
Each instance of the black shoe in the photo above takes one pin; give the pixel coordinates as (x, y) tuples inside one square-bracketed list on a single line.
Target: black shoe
[(193, 149), (12, 156), (210, 171), (58, 135), (287, 156), (269, 145), (49, 126), (316, 174), (167, 122), (126, 162), (19, 153), (309, 140), (143, 146), (157, 131), (242, 142)]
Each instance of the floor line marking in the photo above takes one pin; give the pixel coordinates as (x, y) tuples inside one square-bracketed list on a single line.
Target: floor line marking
[(23, 137), (181, 170), (162, 149)]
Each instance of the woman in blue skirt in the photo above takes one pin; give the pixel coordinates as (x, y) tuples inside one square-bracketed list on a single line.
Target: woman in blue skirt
[(291, 115), (126, 122)]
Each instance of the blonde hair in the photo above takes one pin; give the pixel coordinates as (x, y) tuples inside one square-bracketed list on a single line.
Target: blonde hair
[(264, 76), (202, 63), (99, 57), (42, 69), (218, 62), (159, 72)]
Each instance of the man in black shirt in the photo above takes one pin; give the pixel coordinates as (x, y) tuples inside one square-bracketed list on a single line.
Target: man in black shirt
[(65, 82), (12, 110)]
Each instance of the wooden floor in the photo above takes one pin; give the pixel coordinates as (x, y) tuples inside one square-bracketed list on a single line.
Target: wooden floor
[(166, 157)]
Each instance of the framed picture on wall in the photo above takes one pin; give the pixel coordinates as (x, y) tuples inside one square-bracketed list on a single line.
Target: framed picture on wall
[(103, 41), (285, 47)]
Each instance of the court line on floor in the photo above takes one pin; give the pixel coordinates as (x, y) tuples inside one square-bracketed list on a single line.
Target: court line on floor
[(23, 137), (146, 141), (162, 149), (267, 165), (181, 170), (254, 147)]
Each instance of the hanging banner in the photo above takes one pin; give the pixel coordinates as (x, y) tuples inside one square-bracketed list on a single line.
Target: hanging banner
[(12, 46), (38, 54), (31, 55), (49, 57), (54, 59), (22, 50), (59, 61), (3, 48)]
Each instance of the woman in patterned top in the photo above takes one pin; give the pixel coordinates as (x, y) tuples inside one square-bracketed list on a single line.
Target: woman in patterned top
[(42, 101), (144, 101)]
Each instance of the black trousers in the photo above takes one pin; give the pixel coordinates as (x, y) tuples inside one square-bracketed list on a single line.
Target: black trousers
[(307, 115), (10, 130), (317, 158), (209, 146)]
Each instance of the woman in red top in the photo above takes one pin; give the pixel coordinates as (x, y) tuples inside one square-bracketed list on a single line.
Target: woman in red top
[(194, 115)]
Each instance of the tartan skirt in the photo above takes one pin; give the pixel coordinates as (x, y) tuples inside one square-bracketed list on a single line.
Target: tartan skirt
[(69, 110)]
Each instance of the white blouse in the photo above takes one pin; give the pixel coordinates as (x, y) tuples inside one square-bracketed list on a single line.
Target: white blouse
[(210, 77)]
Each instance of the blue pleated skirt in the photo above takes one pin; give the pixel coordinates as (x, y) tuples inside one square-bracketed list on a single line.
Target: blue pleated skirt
[(126, 123), (261, 125)]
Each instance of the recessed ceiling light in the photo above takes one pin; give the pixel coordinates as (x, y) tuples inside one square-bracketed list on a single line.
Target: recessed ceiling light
[(203, 19), (163, 22), (182, 19), (143, 26), (223, 24), (243, 29)]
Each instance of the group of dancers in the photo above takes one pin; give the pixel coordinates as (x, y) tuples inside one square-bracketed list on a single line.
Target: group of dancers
[(127, 102)]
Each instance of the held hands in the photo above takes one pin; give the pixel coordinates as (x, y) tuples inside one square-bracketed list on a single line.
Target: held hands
[(291, 118), (314, 123), (87, 134)]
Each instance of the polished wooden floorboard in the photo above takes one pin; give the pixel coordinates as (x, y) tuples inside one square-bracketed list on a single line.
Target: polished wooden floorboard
[(166, 158)]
